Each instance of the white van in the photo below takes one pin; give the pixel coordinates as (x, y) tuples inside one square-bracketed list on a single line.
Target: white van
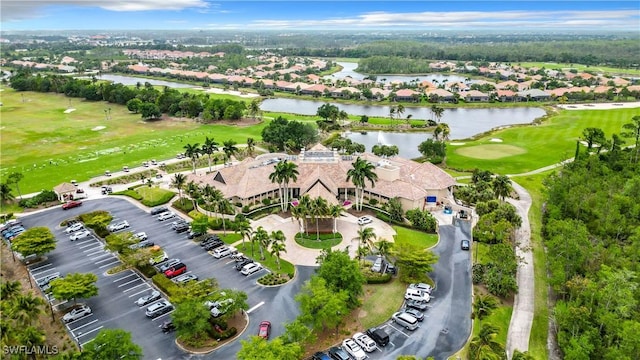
[(415, 294), (405, 320)]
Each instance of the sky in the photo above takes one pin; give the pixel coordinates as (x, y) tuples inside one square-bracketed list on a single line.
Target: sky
[(514, 15)]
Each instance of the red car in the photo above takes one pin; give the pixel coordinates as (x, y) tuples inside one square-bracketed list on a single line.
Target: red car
[(71, 205), (264, 330), (175, 270)]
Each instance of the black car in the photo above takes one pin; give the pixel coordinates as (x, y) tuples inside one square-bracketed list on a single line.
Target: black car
[(214, 244), (418, 305), (159, 210), (167, 327), (241, 264), (209, 239), (180, 228), (338, 354), (464, 244), (390, 269), (194, 234)]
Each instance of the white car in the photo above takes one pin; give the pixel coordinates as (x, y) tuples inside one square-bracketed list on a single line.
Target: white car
[(353, 349), (118, 226), (73, 228), (422, 287), (221, 307), (77, 313), (364, 220), (140, 236), (158, 259), (365, 342), (166, 215), (80, 235), (251, 268), (148, 299), (418, 295), (224, 251)]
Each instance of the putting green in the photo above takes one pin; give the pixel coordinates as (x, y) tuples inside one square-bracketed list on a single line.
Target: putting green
[(490, 151)]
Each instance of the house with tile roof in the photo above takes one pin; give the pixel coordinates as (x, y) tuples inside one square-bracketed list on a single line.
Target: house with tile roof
[(323, 172)]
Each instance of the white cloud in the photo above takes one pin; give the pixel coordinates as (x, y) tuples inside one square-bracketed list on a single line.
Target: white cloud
[(18, 10)]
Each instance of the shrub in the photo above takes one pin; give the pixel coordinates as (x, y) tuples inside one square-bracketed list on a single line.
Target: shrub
[(377, 278), (97, 221), (246, 209), (373, 202), (273, 279), (478, 271), (147, 270), (165, 198), (266, 202), (164, 284), (185, 207), (44, 197), (238, 204)]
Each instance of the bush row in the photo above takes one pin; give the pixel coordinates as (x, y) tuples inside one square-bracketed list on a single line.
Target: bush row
[(97, 221), (44, 197), (165, 285), (273, 279)]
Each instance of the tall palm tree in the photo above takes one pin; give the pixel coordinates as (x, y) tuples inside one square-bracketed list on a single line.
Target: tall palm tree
[(484, 346), (363, 251), (192, 151), (366, 235), (9, 290), (437, 112), (244, 229), (254, 107), (224, 206), (298, 212), (261, 236), (384, 248), (209, 147), (392, 113), (361, 171), (483, 306), (501, 185), (319, 208), (283, 173), (194, 192), (26, 308), (178, 182), (31, 336), (277, 245), (251, 146), (399, 111), (276, 177), (229, 148), (446, 130), (335, 211), (305, 205)]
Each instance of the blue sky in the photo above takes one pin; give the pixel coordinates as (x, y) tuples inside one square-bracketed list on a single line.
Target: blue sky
[(516, 16)]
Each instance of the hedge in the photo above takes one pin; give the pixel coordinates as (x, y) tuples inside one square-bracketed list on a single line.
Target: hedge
[(273, 279), (186, 208), (378, 279), (164, 284), (44, 197)]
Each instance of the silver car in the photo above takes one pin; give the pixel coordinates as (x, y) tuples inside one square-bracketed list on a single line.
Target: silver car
[(77, 313), (148, 299)]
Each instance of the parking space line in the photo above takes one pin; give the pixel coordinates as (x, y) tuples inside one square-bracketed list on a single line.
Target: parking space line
[(40, 267), (139, 292), (75, 321), (398, 330), (131, 288), (255, 307), (98, 257), (89, 332), (103, 260), (85, 241), (86, 342), (34, 274), (229, 262), (93, 249), (109, 264), (42, 277), (81, 326), (129, 282), (124, 277), (93, 243), (96, 252)]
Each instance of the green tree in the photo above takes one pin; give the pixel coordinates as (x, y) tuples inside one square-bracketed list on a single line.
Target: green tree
[(277, 245), (328, 112), (318, 209), (251, 146), (501, 185), (15, 178), (484, 305), (437, 112), (320, 307), (149, 111), (178, 182), (395, 209), (133, 105), (120, 242), (5, 192), (254, 107), (361, 171), (209, 147), (191, 319), (283, 173), (276, 349), (192, 151), (34, 241), (414, 262), (342, 273), (518, 355), (75, 286), (112, 344), (633, 132), (335, 211), (593, 136), (484, 346), (25, 308), (366, 236), (261, 236), (298, 332), (230, 149), (434, 151), (244, 229)]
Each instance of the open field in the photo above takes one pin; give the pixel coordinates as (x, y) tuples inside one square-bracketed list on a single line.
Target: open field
[(548, 143), (50, 146), (580, 67)]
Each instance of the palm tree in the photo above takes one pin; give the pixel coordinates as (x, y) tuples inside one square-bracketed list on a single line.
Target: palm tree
[(277, 245), (384, 248), (229, 148), (361, 171), (194, 192), (5, 192), (484, 346), (437, 112), (319, 208), (445, 131), (366, 235), (192, 151), (209, 147), (392, 113), (305, 205), (298, 212), (283, 173), (254, 107), (633, 132), (483, 306), (251, 146), (26, 308), (244, 229), (31, 337), (276, 177), (224, 206), (518, 355), (399, 111), (261, 236), (178, 182), (363, 251), (501, 185), (335, 211), (9, 290)]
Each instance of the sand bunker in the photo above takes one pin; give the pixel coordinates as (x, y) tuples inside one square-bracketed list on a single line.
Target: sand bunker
[(456, 143), (69, 111), (98, 128), (496, 140)]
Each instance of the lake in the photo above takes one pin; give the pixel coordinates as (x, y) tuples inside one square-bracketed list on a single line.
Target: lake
[(464, 123), (132, 80), (348, 69)]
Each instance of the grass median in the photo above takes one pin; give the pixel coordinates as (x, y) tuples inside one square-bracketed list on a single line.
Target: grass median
[(326, 241), (414, 237)]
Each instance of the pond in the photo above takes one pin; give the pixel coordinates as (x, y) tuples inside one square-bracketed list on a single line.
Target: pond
[(464, 123), (348, 70), (132, 80)]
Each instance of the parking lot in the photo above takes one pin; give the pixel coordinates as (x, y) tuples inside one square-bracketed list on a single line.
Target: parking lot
[(115, 307)]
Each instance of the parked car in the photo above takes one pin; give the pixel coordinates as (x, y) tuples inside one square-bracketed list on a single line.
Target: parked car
[(422, 287), (405, 320), (185, 278), (364, 220), (105, 190), (320, 356), (178, 222), (175, 270), (77, 313), (166, 216), (465, 244), (194, 234), (71, 204), (74, 227), (167, 264), (159, 308), (415, 313), (121, 225), (377, 265), (141, 244), (390, 269), (79, 235), (158, 259), (364, 341), (415, 294), (182, 227), (148, 299), (221, 307), (338, 354), (208, 239), (416, 304), (243, 263), (213, 244), (45, 282), (264, 330), (251, 268), (353, 349), (158, 210), (223, 252), (140, 236), (379, 336), (167, 326), (238, 257)]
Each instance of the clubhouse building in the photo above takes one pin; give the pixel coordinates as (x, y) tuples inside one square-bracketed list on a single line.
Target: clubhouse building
[(323, 172)]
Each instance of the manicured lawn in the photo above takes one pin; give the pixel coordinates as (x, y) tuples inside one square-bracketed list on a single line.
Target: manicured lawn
[(380, 302), (154, 196), (414, 237), (326, 240), (548, 143), (269, 262), (580, 67), (50, 146), (231, 238)]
